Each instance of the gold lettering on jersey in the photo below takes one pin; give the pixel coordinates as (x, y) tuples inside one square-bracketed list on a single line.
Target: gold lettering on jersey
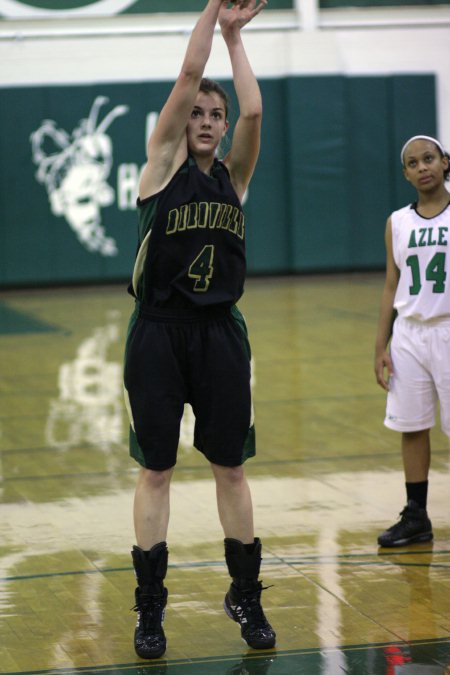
[(234, 222), (427, 237), (214, 215), (193, 216), (224, 219), (211, 215), (184, 212), (172, 221), (203, 214)]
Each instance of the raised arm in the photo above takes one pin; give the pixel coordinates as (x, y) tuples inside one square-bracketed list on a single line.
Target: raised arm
[(241, 159), (167, 147), (383, 360)]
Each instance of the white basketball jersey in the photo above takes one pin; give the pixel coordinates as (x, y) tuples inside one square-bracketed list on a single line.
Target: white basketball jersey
[(422, 253)]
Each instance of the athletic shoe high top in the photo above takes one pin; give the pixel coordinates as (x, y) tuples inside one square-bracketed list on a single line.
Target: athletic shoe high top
[(149, 637), (243, 600), (413, 526), (244, 607), (151, 600)]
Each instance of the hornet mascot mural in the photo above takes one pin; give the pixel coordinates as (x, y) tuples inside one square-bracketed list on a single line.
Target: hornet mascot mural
[(74, 169)]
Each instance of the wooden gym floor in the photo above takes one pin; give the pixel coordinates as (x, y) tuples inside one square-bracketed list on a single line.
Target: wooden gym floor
[(326, 480)]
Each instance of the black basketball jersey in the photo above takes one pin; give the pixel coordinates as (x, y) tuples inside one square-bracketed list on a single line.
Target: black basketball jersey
[(192, 241)]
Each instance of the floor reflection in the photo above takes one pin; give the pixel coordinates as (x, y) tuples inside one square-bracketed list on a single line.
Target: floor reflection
[(253, 666), (89, 407), (388, 659)]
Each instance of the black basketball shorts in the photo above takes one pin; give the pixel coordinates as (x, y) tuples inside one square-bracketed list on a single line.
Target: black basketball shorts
[(201, 357)]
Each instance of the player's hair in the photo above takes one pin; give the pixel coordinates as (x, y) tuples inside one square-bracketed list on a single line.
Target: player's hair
[(439, 146), (207, 86), (447, 170), (444, 153)]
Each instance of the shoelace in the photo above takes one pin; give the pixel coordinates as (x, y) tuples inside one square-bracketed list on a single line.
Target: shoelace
[(250, 603), (403, 515), (150, 608)]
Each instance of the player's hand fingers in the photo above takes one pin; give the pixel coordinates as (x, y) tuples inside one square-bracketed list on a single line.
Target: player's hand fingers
[(383, 367), (261, 5)]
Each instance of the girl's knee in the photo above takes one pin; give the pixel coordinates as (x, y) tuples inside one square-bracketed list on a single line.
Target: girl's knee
[(230, 475), (155, 480)]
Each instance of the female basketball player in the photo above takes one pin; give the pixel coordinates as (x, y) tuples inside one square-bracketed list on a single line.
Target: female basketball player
[(418, 363), (187, 341)]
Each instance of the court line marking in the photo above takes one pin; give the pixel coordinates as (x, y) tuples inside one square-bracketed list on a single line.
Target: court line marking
[(341, 560)]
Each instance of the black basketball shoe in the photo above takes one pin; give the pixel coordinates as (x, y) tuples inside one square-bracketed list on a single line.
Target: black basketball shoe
[(244, 607), (149, 637), (413, 526)]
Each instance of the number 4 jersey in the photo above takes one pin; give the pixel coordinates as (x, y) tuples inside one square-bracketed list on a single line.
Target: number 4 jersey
[(191, 241), (421, 252)]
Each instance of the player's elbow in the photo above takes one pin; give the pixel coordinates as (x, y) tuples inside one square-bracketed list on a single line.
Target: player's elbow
[(252, 113), (190, 74)]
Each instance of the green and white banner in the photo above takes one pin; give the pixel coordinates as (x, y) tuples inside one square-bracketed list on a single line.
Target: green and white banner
[(327, 177), (34, 9)]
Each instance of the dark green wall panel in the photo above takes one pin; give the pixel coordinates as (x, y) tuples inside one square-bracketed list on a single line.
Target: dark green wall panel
[(131, 7), (268, 207), (379, 3), (317, 227), (369, 177), (144, 6)]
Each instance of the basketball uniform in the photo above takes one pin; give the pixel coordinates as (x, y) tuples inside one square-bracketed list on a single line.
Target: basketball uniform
[(420, 346), (187, 341)]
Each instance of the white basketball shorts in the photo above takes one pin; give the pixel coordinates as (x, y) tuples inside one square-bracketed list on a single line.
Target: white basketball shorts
[(420, 353)]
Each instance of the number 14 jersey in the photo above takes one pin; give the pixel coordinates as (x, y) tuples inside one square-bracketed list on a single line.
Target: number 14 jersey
[(191, 241), (421, 252)]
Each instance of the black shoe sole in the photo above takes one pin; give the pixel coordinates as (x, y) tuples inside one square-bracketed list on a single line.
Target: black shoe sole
[(151, 655), (418, 538)]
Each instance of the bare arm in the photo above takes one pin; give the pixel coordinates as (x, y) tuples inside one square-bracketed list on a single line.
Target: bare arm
[(383, 360), (167, 147), (241, 159)]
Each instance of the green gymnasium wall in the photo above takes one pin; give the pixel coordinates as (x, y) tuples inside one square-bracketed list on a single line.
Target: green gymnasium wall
[(323, 4), (7, 10), (327, 178), (144, 6), (152, 6)]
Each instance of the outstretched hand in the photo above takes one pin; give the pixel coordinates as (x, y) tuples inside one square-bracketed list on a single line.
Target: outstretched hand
[(239, 14)]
